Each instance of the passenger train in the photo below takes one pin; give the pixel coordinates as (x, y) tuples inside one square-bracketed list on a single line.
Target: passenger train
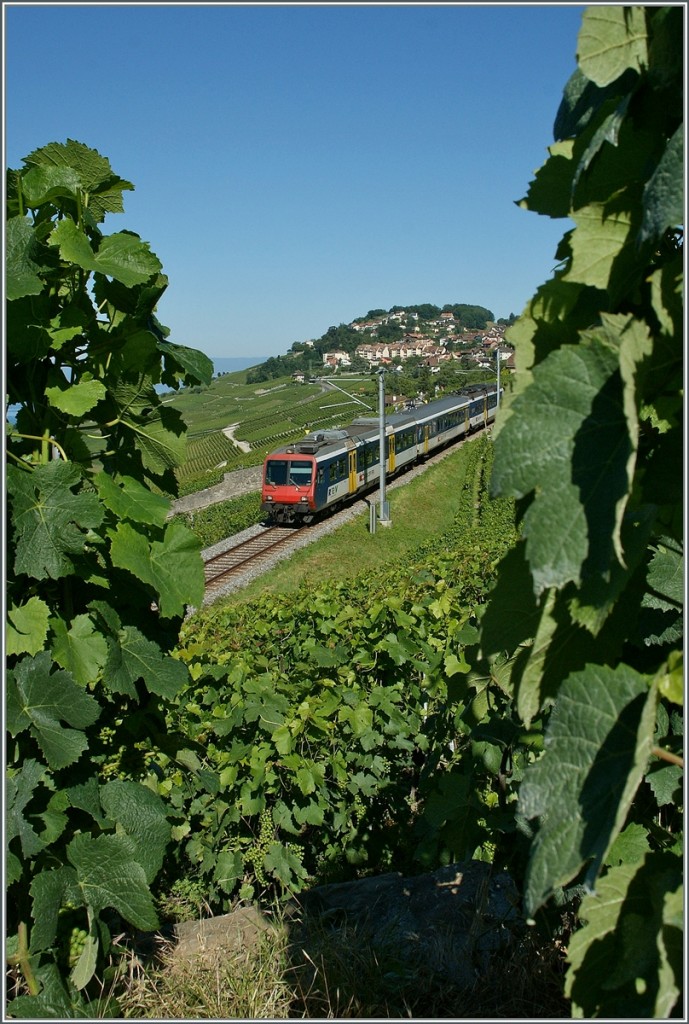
[(327, 468)]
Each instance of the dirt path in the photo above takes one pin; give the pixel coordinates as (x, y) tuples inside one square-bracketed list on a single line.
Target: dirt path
[(243, 446)]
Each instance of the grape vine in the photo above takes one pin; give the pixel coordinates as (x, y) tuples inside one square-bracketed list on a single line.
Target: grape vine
[(585, 623), (99, 582)]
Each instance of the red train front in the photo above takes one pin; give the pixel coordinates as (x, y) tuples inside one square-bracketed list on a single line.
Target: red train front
[(288, 487)]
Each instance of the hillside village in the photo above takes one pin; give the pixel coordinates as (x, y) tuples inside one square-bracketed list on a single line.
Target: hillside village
[(440, 341), (404, 338)]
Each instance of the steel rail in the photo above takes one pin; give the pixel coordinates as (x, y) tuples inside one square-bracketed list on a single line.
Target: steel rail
[(237, 559)]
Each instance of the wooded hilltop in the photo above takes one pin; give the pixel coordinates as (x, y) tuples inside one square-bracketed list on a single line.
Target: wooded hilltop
[(452, 325)]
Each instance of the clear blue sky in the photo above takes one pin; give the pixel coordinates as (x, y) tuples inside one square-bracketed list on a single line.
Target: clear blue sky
[(297, 165)]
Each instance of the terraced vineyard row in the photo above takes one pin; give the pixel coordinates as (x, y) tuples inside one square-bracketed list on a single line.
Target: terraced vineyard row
[(209, 452), (276, 421)]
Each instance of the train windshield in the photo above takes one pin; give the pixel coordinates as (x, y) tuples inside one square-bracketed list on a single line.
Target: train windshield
[(280, 472)]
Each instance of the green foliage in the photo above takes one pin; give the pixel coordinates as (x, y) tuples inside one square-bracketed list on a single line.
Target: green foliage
[(318, 724), (585, 624), (98, 582), (223, 519)]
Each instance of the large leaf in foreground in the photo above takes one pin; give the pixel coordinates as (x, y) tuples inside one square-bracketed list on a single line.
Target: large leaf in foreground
[(50, 519), (130, 499), (581, 476), (195, 363), (122, 256), (21, 269), (157, 431), (133, 657), (611, 40), (41, 702), (110, 875), (19, 791), (626, 960), (172, 566), (141, 814), (596, 752)]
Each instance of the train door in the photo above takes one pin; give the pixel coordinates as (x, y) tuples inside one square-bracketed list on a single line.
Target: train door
[(426, 432), (352, 471), (391, 453)]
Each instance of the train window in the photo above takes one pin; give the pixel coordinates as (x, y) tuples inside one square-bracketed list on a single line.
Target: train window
[(276, 472), (300, 473), (338, 469), (320, 476)]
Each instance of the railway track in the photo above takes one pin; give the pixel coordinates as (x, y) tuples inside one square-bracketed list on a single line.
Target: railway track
[(245, 555)]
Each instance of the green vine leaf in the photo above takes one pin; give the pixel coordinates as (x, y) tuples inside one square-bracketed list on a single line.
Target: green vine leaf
[(46, 184), (597, 748), (133, 657), (49, 518), (103, 189), (173, 566), (611, 41), (40, 702), (27, 627), (284, 864), (157, 432), (76, 399), (581, 478), (663, 201), (122, 256), (130, 499), (20, 788), (142, 816), (229, 868), (109, 875), (194, 363), (81, 650), (666, 574), (628, 955), (22, 273), (52, 1002), (601, 251), (50, 890)]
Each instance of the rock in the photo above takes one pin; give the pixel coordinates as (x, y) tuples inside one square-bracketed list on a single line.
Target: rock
[(231, 932), (453, 920)]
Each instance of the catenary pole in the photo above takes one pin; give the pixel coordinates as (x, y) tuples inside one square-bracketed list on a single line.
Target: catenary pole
[(384, 509)]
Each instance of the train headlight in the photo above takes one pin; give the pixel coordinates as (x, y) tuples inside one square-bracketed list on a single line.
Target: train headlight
[(269, 497), (303, 499)]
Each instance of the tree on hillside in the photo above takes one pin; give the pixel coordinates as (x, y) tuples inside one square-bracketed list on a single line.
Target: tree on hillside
[(475, 317)]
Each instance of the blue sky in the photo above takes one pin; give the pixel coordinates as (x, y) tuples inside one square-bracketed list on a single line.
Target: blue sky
[(296, 165)]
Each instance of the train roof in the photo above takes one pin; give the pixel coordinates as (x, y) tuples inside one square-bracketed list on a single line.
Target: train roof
[(338, 441)]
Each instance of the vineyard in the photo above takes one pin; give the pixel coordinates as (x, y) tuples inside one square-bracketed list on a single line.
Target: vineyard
[(221, 520), (307, 762), (210, 454)]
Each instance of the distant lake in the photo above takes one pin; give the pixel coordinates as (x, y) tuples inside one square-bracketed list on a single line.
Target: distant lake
[(222, 365)]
